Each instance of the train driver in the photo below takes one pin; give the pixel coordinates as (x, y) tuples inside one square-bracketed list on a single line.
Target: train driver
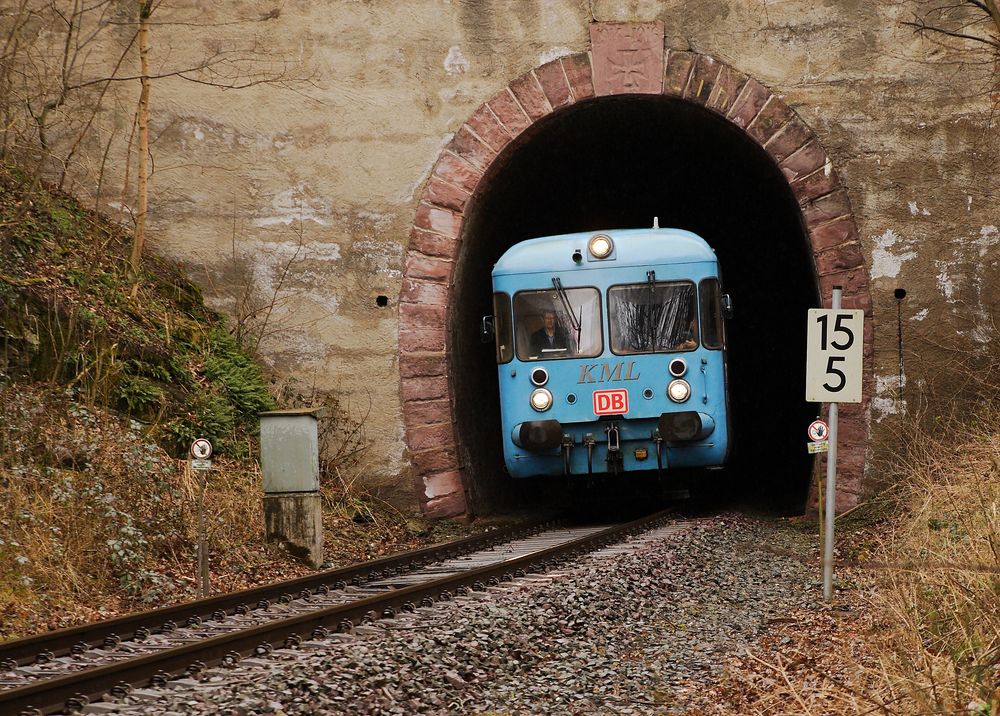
[(688, 340), (550, 338)]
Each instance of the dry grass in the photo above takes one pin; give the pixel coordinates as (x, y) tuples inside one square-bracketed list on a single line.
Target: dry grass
[(96, 520), (942, 595), (81, 534), (916, 628)]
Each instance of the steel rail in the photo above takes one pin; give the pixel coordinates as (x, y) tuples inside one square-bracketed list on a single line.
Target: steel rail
[(50, 696), (65, 641)]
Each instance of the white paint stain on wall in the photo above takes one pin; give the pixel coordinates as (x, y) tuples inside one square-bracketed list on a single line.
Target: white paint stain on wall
[(886, 400), (276, 264), (915, 210), (972, 271), (889, 254), (455, 63), (379, 219), (985, 328), (554, 54), (385, 258), (989, 237), (293, 205), (203, 131), (945, 281)]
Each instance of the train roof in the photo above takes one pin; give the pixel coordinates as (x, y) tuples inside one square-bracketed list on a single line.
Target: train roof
[(633, 247)]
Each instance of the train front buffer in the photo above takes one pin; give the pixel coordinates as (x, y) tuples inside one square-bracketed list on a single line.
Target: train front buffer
[(611, 417)]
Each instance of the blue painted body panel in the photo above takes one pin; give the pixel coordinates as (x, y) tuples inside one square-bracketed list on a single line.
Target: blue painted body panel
[(673, 255)]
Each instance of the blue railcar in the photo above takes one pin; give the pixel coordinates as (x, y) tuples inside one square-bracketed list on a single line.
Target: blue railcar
[(611, 353)]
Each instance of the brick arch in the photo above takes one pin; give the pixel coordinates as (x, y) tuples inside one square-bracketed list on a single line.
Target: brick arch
[(462, 164)]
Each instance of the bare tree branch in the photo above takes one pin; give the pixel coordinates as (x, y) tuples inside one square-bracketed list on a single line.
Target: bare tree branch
[(923, 27)]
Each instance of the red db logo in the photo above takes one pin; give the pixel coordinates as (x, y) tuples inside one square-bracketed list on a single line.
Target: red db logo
[(610, 402)]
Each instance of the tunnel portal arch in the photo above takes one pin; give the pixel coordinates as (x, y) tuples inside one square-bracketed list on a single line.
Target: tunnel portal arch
[(433, 327)]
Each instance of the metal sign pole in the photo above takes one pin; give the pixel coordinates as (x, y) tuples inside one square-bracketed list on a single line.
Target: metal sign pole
[(201, 453), (203, 587), (831, 486)]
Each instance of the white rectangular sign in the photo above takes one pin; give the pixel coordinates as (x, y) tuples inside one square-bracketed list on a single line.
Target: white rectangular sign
[(834, 349), (198, 464)]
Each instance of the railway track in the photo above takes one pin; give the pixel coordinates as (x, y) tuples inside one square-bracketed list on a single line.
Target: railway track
[(113, 657)]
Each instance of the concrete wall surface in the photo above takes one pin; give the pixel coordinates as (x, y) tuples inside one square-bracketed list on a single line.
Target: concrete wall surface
[(303, 188)]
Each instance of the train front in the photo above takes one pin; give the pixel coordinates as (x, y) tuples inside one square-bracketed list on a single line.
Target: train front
[(611, 353)]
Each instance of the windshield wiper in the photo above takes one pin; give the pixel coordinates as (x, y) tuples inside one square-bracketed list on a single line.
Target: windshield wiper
[(574, 322), (653, 337)]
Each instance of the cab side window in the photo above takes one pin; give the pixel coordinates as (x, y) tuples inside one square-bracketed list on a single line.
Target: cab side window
[(503, 328), (711, 313)]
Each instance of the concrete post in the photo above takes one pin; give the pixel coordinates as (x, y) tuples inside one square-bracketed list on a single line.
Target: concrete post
[(289, 460)]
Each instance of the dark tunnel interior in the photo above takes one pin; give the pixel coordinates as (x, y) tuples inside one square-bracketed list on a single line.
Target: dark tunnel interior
[(616, 163)]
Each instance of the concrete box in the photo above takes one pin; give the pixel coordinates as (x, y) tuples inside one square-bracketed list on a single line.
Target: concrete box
[(296, 522), (289, 450)]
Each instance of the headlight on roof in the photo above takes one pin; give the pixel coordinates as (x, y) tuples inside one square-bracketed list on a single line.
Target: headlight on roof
[(678, 391), (600, 246), (541, 399)]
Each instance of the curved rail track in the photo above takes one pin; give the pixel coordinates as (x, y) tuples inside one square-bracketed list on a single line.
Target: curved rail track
[(96, 659)]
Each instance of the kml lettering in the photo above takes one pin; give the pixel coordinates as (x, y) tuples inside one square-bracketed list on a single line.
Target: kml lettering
[(607, 372)]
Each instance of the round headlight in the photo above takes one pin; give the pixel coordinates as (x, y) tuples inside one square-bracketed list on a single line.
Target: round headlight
[(678, 367), (678, 391), (539, 376), (600, 246), (541, 399)]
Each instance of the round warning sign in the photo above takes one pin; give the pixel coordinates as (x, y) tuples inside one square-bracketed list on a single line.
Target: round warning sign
[(201, 449), (818, 431)]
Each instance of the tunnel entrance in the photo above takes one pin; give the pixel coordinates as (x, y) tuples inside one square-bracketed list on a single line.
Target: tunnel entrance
[(618, 162), (578, 145)]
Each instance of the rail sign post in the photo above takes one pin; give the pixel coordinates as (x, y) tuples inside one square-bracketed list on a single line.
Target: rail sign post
[(833, 357), (201, 461), (834, 354)]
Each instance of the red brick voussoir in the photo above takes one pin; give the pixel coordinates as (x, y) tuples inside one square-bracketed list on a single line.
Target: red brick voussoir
[(579, 74), (554, 84), (704, 76)]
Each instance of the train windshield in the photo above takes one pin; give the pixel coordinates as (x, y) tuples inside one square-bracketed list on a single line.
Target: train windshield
[(653, 317), (558, 323)]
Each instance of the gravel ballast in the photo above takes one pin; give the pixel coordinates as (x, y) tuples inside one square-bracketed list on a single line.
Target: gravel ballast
[(639, 628)]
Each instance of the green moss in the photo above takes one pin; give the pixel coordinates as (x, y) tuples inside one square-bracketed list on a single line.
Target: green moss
[(64, 220), (139, 396), (236, 376), (150, 349)]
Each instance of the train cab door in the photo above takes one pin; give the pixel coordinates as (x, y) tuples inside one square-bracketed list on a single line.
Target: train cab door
[(715, 309)]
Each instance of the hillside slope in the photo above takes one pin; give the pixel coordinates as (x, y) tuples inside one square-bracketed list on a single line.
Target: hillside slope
[(147, 347), (104, 382)]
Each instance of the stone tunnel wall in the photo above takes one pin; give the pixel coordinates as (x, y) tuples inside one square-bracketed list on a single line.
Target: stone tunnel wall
[(352, 177)]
